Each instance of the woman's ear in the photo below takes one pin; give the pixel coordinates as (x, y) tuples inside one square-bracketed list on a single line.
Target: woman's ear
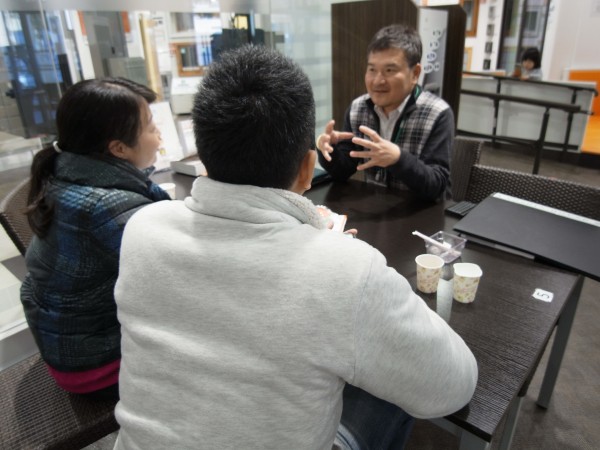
[(117, 149), (305, 174)]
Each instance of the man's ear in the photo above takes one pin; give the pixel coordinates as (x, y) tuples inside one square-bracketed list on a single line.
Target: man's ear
[(117, 149), (305, 174), (416, 71)]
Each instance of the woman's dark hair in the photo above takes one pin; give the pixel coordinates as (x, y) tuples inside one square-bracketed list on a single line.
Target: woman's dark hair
[(532, 54), (401, 37), (90, 115)]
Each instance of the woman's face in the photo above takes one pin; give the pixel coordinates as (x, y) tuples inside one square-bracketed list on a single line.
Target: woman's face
[(527, 64), (143, 154)]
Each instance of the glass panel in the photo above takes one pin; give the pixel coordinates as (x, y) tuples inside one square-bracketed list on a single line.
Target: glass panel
[(524, 26), (510, 34), (30, 84), (534, 24), (303, 31), (43, 53)]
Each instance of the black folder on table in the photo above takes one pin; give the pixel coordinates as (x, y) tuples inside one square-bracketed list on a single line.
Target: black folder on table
[(558, 237)]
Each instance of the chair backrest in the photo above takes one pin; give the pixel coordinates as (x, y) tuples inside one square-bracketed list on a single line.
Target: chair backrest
[(569, 196), (13, 218), (37, 414), (465, 154)]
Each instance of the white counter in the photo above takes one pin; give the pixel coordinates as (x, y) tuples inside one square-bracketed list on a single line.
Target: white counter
[(519, 120)]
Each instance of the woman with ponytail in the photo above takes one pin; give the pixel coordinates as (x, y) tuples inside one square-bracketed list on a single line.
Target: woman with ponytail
[(84, 188)]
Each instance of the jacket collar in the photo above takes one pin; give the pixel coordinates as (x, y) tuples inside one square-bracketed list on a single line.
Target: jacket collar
[(100, 171)]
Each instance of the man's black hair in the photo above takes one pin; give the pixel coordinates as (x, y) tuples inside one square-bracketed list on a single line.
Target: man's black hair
[(254, 118), (402, 37)]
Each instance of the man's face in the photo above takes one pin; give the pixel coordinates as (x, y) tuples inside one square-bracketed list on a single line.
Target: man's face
[(389, 79)]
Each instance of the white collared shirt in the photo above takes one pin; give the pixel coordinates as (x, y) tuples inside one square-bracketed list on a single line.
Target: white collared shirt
[(386, 123)]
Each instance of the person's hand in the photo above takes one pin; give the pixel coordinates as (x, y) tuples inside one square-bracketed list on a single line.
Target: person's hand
[(352, 232), (380, 153), (329, 138)]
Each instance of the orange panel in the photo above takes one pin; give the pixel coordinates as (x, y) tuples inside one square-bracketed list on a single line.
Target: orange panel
[(126, 24), (588, 75), (591, 140)]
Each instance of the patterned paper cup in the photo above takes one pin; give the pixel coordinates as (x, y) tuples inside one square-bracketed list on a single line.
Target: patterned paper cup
[(429, 269), (466, 280)]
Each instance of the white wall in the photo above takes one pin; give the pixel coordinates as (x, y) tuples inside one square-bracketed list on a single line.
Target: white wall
[(572, 37), (477, 44)]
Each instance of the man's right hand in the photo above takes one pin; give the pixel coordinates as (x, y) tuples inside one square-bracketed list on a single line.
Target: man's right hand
[(329, 138)]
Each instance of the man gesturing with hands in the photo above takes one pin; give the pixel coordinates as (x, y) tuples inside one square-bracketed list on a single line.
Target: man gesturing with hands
[(399, 135)]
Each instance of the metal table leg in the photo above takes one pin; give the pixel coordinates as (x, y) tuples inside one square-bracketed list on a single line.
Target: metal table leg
[(511, 424), (563, 330), (468, 441)]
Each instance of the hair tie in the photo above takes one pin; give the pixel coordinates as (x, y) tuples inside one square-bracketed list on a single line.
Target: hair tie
[(56, 147)]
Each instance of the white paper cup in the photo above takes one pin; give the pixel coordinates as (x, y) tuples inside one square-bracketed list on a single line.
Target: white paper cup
[(170, 189), (466, 281), (429, 269)]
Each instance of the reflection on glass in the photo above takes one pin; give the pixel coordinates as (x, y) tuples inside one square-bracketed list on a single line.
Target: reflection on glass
[(31, 72), (471, 8), (43, 52), (524, 26)]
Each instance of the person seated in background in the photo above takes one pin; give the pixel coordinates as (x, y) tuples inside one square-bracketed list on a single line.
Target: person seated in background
[(84, 188), (244, 316), (398, 134), (531, 63)]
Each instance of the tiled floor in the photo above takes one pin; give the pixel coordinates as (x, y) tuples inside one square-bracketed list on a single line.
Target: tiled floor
[(7, 248), (10, 305)]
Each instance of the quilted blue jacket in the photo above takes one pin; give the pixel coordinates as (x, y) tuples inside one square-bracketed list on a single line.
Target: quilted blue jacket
[(67, 294)]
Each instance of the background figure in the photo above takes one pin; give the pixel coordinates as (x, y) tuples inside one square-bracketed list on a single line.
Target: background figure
[(84, 188), (531, 62), (400, 135), (243, 316)]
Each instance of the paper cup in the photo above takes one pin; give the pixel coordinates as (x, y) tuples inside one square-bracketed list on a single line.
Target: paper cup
[(170, 189), (466, 280), (429, 269)]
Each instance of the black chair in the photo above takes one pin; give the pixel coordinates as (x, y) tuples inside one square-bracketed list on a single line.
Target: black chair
[(474, 182), (569, 196), (12, 216), (36, 414), (465, 154)]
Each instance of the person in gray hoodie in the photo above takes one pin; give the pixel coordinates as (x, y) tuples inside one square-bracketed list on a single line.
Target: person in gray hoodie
[(244, 317)]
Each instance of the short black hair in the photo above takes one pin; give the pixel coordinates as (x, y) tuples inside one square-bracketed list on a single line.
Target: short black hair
[(398, 36), (532, 54), (254, 118)]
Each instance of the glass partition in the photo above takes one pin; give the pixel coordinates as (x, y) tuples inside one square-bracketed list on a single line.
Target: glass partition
[(45, 47), (524, 25)]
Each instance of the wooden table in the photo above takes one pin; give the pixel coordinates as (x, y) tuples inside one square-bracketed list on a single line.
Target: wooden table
[(505, 327)]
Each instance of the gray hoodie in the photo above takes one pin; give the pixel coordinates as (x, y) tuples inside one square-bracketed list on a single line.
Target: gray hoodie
[(243, 317)]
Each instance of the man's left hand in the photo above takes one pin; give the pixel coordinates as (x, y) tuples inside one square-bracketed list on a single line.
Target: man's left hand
[(380, 153)]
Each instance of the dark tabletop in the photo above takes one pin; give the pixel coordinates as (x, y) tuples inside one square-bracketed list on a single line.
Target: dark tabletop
[(505, 327)]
